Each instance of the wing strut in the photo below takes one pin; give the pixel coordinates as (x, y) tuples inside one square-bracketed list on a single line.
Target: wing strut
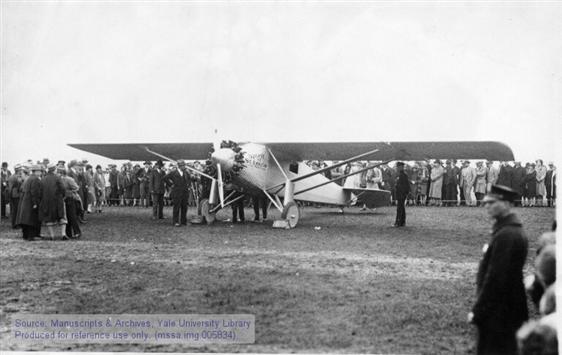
[(343, 177), (320, 171)]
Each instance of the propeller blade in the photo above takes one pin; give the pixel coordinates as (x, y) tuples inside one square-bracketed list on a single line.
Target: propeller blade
[(221, 186)]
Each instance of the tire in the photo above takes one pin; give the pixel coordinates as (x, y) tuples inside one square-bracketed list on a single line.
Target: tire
[(205, 211), (291, 214)]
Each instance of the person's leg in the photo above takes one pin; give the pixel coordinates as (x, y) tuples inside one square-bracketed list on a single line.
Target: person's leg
[(176, 211), (14, 206), (241, 210), (402, 214), (155, 208), (264, 203), (160, 202), (256, 206), (184, 210)]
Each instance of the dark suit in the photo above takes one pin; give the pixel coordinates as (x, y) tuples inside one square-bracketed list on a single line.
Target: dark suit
[(550, 184), (518, 181), (14, 192), (402, 189), (157, 189), (28, 212), (505, 176), (501, 305), (179, 194)]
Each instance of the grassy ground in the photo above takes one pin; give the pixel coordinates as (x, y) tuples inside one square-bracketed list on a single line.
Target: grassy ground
[(354, 285)]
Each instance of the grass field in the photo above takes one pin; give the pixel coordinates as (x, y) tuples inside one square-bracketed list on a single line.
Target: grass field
[(354, 285)]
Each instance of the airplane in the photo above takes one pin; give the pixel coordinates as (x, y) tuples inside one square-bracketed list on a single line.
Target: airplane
[(278, 169)]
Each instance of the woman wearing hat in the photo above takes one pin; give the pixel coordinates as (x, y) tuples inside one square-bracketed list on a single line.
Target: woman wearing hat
[(541, 187), (51, 210), (99, 188), (28, 213), (531, 185), (436, 187)]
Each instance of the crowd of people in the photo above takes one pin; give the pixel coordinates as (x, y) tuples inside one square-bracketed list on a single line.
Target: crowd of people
[(449, 183), (152, 185)]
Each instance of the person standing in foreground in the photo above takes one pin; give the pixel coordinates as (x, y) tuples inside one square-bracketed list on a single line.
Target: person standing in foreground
[(157, 189), (402, 190), (28, 211), (501, 304), (179, 180)]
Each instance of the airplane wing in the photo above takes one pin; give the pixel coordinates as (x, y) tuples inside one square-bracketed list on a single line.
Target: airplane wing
[(393, 150), (314, 151), (138, 152), (371, 198)]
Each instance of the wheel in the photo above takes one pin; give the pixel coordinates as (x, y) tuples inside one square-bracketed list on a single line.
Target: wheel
[(205, 211), (291, 214)]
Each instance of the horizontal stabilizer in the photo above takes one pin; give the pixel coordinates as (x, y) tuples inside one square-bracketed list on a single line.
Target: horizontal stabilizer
[(371, 198)]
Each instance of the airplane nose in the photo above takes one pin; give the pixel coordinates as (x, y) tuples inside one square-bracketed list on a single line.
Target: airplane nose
[(224, 157)]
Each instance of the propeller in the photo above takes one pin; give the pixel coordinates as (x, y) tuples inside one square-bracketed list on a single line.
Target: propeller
[(221, 186), (228, 157)]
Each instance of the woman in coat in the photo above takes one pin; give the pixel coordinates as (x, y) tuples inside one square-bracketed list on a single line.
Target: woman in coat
[(531, 185), (92, 198), (71, 202), (99, 188), (422, 182), (541, 187), (51, 210), (436, 183), (28, 212)]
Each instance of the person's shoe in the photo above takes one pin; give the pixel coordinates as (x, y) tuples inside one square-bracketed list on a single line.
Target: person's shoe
[(162, 217), (176, 225)]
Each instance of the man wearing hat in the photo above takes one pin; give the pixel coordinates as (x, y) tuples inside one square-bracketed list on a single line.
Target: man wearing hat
[(402, 190), (480, 182), (501, 304), (491, 175), (14, 191), (450, 183), (28, 211), (144, 186), (180, 181), (157, 189), (468, 176)]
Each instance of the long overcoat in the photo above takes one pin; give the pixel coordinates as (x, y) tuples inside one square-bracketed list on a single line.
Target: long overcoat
[(31, 195), (501, 304), (51, 208)]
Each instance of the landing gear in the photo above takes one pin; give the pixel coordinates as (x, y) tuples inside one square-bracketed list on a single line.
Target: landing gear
[(291, 214), (210, 217)]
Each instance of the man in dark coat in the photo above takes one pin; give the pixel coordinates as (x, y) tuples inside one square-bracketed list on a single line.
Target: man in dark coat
[(14, 193), (550, 183), (505, 175), (51, 209), (450, 183), (518, 181), (28, 213), (402, 189), (157, 189), (501, 304), (180, 181)]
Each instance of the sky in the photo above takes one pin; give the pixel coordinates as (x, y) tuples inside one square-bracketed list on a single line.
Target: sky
[(109, 72)]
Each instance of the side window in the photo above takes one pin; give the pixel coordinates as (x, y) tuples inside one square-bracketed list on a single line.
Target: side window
[(294, 167)]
